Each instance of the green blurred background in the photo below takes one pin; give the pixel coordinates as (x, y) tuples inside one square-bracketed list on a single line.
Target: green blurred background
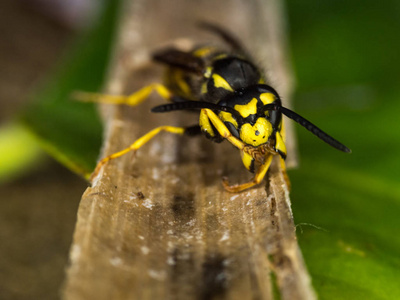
[(345, 56)]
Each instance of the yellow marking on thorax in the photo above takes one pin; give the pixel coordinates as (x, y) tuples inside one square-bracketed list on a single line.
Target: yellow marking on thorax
[(220, 82), (202, 52), (247, 109), (267, 98), (220, 56), (208, 72), (227, 117)]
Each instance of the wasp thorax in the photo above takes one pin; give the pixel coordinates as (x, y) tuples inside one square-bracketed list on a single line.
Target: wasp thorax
[(256, 134)]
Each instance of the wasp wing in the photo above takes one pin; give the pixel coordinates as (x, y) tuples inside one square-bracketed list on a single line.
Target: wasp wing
[(232, 41), (180, 59)]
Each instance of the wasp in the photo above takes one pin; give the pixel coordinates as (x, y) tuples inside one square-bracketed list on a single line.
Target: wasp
[(234, 100)]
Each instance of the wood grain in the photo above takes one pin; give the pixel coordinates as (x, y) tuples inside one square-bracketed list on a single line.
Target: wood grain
[(158, 224)]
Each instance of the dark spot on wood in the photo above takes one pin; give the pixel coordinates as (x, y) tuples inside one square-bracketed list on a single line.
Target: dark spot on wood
[(183, 207), (273, 206), (115, 186), (134, 174), (267, 182), (282, 261), (214, 281), (140, 195)]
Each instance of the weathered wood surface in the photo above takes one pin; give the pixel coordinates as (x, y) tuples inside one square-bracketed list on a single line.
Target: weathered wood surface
[(158, 224)]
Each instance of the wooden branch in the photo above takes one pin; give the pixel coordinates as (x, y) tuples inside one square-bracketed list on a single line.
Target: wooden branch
[(159, 225)]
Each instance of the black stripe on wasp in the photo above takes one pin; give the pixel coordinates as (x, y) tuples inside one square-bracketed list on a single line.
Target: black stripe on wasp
[(234, 101)]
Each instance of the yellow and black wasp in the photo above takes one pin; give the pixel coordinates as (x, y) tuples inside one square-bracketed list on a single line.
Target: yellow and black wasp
[(234, 100)]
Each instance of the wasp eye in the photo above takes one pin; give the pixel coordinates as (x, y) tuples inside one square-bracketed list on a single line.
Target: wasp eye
[(257, 133)]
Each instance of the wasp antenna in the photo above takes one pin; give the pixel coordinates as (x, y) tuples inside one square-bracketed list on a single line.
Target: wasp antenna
[(313, 129), (186, 105), (308, 125), (171, 107)]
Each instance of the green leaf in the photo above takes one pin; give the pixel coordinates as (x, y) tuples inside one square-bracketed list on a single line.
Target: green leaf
[(19, 151), (69, 130), (347, 206)]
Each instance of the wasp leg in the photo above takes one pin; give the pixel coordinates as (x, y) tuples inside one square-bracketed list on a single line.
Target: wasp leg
[(193, 130), (256, 180), (282, 161), (136, 145), (131, 100), (224, 132), (285, 175), (222, 129)]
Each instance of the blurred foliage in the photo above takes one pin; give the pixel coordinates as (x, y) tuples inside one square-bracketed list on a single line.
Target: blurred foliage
[(19, 151), (344, 54), (69, 130)]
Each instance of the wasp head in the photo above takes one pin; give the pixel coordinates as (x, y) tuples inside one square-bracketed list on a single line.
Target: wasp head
[(250, 122)]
